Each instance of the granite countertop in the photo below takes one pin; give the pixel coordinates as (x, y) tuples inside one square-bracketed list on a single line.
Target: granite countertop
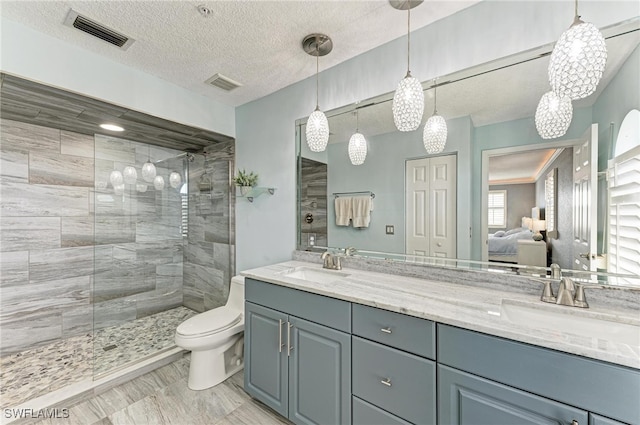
[(474, 308)]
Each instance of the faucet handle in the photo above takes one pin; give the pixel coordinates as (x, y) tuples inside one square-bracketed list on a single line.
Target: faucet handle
[(580, 300), (547, 293)]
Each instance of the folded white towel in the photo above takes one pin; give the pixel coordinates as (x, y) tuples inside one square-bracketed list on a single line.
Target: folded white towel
[(343, 210), (362, 207)]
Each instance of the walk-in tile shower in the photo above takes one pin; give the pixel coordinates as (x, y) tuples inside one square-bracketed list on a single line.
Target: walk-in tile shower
[(98, 268)]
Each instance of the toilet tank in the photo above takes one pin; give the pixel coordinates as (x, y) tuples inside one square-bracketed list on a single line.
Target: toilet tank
[(236, 293)]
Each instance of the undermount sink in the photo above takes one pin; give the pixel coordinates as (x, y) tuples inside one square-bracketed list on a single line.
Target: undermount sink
[(573, 320), (314, 275)]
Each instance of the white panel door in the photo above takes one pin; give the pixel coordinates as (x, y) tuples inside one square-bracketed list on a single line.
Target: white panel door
[(585, 195), (417, 197), (442, 211), (431, 206)]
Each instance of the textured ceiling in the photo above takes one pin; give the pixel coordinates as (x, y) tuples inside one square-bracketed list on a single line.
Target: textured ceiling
[(255, 42), (523, 167)]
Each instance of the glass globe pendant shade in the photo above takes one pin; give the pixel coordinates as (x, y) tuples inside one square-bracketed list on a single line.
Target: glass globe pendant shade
[(175, 179), (142, 188), (116, 178), (118, 189), (408, 104), (130, 175), (553, 115), (148, 171), (578, 61), (434, 136), (158, 182), (317, 131), (357, 149)]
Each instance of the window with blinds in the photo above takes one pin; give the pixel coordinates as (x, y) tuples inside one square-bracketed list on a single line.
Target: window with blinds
[(624, 213), (497, 208)]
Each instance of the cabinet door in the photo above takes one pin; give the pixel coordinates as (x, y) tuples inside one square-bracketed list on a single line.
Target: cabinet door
[(601, 420), (319, 374), (468, 399), (265, 369)]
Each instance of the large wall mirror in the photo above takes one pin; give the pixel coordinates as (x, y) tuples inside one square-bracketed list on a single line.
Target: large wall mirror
[(493, 150)]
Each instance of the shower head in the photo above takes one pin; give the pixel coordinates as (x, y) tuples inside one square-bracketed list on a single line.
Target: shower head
[(190, 157)]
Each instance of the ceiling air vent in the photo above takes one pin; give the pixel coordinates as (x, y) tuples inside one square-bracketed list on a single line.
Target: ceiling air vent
[(75, 20), (222, 82)]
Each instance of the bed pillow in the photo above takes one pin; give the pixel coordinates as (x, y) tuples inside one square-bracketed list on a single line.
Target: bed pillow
[(499, 234), (516, 230), (527, 222)]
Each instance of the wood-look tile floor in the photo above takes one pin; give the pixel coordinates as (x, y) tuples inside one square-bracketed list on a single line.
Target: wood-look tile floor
[(162, 397)]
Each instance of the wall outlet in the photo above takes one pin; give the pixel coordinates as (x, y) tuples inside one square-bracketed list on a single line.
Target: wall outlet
[(311, 239), (390, 229)]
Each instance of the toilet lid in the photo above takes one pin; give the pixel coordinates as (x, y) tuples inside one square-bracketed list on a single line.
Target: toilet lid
[(215, 320)]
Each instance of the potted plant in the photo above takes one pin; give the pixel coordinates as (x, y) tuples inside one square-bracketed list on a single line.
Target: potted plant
[(245, 180)]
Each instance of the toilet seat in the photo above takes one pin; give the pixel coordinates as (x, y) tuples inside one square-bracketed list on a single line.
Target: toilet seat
[(201, 325)]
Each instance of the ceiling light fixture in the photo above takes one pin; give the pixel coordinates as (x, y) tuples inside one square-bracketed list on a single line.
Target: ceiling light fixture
[(111, 127), (578, 60), (434, 136), (357, 145), (317, 130), (148, 169), (408, 100), (553, 115)]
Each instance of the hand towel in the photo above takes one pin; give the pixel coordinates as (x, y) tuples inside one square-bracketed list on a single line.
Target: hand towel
[(361, 211), (343, 210)]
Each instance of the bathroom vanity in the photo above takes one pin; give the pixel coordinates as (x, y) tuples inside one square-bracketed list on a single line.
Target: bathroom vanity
[(360, 347)]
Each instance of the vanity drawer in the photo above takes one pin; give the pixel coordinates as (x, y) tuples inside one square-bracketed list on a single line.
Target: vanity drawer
[(368, 414), (316, 308), (412, 334), (398, 382)]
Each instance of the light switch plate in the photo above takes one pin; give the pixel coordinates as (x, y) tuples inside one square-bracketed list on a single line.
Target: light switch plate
[(390, 229)]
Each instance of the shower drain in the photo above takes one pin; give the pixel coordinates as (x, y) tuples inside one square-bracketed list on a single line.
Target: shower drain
[(109, 347)]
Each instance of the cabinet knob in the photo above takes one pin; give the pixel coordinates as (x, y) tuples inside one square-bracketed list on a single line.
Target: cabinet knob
[(386, 330), (574, 422), (386, 382)]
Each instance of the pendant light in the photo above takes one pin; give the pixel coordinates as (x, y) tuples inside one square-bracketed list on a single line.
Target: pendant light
[(578, 60), (553, 115), (148, 169), (130, 174), (434, 136), (357, 146), (317, 125), (408, 100)]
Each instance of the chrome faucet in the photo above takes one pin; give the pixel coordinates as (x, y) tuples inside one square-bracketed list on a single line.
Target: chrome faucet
[(331, 261), (569, 293), (349, 251), (566, 292)]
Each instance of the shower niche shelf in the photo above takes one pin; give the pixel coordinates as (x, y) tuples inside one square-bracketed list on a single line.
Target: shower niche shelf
[(253, 192)]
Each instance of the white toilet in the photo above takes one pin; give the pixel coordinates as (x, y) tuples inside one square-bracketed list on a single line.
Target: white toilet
[(215, 339)]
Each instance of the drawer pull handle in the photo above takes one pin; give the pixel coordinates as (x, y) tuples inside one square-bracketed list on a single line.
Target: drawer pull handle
[(386, 330), (289, 346), (386, 382)]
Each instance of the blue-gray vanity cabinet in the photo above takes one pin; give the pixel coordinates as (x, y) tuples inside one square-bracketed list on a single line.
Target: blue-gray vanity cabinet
[(596, 387), (465, 399), (299, 368)]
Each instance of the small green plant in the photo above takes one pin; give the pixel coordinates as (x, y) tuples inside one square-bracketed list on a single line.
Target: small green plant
[(245, 179)]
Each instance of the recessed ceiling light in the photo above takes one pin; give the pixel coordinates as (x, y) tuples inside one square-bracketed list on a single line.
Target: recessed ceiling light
[(111, 127)]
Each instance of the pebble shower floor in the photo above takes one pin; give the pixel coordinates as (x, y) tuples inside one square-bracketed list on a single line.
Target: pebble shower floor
[(36, 372)]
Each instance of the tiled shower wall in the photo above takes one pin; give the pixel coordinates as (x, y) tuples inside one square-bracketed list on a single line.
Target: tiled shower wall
[(313, 200), (210, 251), (50, 219)]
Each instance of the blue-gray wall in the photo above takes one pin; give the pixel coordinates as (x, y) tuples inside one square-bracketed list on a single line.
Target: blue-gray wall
[(383, 173)]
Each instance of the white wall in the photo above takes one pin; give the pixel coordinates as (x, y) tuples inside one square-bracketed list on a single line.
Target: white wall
[(35, 56), (265, 131)]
